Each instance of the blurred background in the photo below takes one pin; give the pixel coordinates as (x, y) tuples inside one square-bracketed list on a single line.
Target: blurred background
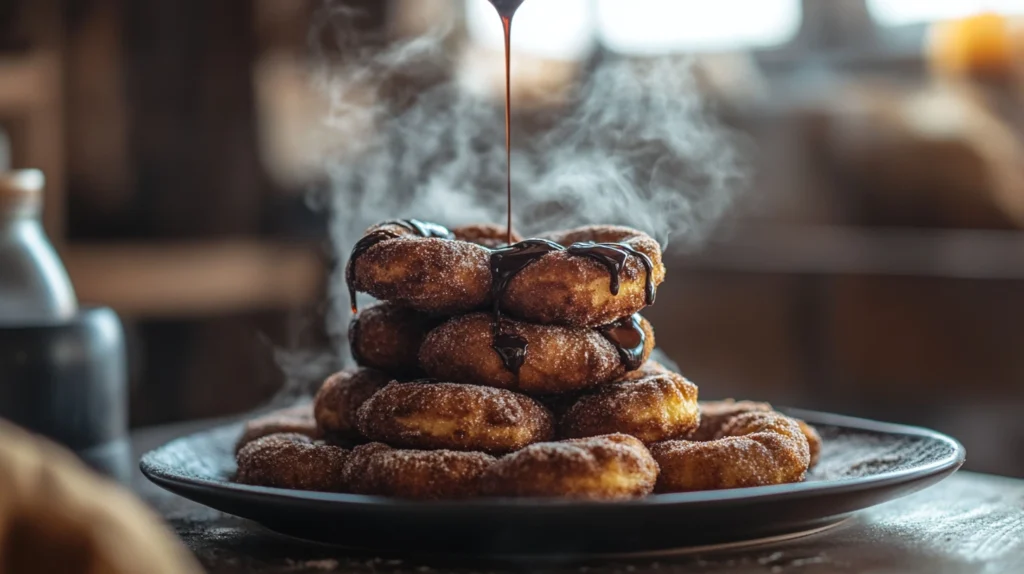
[(875, 267)]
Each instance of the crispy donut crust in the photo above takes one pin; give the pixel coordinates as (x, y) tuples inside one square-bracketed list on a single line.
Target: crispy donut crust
[(715, 414), (754, 448), (445, 276), (388, 337), (429, 274), (297, 419), (565, 289), (335, 404), (487, 234), (558, 359), (655, 408), (607, 467), (425, 415), (290, 460), (376, 468)]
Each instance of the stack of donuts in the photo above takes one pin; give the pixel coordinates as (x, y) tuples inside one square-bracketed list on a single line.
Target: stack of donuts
[(522, 370)]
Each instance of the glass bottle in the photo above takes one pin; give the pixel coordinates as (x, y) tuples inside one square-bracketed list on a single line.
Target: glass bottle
[(34, 286)]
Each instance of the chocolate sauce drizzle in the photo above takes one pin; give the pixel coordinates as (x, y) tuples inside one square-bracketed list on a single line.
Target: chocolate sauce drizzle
[(507, 262), (629, 339), (613, 256), (420, 228), (353, 336)]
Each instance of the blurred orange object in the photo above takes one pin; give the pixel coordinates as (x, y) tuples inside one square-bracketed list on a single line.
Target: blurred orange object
[(982, 45)]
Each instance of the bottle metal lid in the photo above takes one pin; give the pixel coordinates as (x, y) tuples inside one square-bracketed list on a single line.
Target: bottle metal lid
[(21, 191)]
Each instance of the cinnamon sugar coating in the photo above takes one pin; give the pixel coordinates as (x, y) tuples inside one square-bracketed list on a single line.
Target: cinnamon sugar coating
[(558, 359), (609, 467), (654, 408), (335, 404), (429, 415), (388, 337), (290, 460), (376, 468), (297, 419), (754, 448)]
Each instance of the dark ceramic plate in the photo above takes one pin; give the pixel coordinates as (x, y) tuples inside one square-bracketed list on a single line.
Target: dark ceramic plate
[(863, 463)]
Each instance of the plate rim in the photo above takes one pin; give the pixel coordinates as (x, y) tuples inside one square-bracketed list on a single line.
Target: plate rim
[(778, 492)]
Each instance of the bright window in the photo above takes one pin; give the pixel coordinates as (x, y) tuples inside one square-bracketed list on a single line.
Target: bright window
[(559, 29), (900, 12), (567, 29), (661, 26)]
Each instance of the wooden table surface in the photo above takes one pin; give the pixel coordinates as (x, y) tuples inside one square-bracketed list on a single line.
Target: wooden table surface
[(968, 523)]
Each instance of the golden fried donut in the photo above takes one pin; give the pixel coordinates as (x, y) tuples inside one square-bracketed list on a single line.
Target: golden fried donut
[(297, 419), (376, 468), (557, 359), (486, 234), (432, 415), (425, 267), (388, 337), (715, 414), (335, 404), (421, 266), (290, 460), (567, 288), (652, 409), (755, 448), (813, 441), (609, 467)]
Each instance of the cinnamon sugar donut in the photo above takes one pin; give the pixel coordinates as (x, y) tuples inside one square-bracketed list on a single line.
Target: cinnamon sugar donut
[(754, 448), (388, 337), (297, 419), (421, 266), (654, 408), (376, 468), (607, 467), (335, 404), (557, 359), (431, 415), (714, 415), (290, 460), (567, 287)]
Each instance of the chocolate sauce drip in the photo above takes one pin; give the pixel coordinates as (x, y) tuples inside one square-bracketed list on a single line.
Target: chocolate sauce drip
[(613, 256), (353, 336), (420, 228), (629, 339), (505, 264), (506, 10), (510, 347)]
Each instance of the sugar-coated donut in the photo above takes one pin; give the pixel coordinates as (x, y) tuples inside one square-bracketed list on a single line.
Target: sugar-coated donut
[(376, 468), (432, 415), (715, 414), (335, 404), (606, 467), (654, 408), (754, 448), (290, 460), (556, 359), (388, 337), (297, 419)]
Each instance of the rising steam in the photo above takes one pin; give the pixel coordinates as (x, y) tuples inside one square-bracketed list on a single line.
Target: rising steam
[(635, 145)]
